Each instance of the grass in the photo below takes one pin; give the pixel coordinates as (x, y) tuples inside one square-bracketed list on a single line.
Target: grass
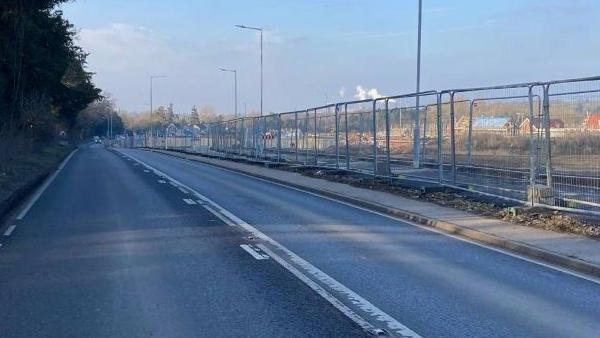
[(25, 168)]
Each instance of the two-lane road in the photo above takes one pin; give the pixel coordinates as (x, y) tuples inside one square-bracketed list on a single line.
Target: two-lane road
[(111, 250), (434, 284), (115, 248)]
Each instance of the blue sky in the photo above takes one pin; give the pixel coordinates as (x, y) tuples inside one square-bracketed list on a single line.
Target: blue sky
[(324, 49)]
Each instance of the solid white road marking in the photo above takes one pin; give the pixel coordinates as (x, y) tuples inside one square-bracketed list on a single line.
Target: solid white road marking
[(252, 251), (328, 296), (189, 201), (44, 186), (352, 297), (10, 230), (424, 227)]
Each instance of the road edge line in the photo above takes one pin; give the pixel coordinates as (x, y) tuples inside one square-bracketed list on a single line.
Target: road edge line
[(494, 241), (41, 189), (354, 297)]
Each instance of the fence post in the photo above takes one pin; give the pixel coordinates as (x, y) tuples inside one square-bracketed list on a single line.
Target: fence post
[(296, 134), (278, 138), (452, 138), (440, 138), (532, 148), (337, 137), (306, 138), (387, 138), (546, 117), (470, 135), (315, 141), (346, 135), (374, 117)]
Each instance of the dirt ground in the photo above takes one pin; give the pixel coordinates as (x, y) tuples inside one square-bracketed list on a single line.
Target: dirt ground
[(535, 217), (27, 167)]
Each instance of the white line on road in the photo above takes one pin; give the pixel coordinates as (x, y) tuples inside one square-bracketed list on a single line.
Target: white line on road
[(427, 228), (328, 296), (44, 186), (162, 181), (183, 190), (352, 297), (10, 230), (253, 252), (189, 201), (146, 170), (173, 184)]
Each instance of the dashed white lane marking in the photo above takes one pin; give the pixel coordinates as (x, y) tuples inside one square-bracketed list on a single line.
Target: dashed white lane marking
[(10, 230), (162, 181), (173, 184), (253, 252), (189, 201), (183, 190), (352, 297), (146, 170), (44, 186), (427, 228)]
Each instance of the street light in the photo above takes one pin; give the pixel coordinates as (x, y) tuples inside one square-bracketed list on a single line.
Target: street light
[(417, 136), (234, 71), (152, 77), (261, 62)]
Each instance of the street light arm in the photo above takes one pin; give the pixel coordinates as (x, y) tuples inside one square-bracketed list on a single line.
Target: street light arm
[(248, 27)]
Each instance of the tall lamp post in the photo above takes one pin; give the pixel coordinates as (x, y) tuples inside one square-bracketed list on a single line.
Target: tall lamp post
[(152, 77), (417, 131), (261, 62), (234, 71)]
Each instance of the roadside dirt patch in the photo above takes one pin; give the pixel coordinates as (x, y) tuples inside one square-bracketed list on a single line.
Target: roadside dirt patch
[(546, 219)]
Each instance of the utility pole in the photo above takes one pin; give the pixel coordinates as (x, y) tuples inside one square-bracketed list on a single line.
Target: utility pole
[(261, 62), (234, 71), (417, 137)]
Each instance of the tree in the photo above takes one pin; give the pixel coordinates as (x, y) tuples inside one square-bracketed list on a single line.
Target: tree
[(170, 114), (93, 120), (43, 81), (194, 117)]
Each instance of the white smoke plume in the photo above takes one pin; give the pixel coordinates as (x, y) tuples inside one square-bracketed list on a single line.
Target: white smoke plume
[(366, 93)]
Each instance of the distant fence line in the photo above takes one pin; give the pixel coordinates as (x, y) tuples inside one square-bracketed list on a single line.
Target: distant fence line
[(533, 143)]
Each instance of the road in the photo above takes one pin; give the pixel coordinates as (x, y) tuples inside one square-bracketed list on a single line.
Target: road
[(108, 250)]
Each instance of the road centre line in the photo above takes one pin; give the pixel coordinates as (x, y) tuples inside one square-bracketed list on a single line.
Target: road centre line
[(427, 228), (10, 230), (253, 252), (374, 313)]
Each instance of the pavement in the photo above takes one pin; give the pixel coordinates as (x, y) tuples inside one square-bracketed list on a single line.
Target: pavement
[(573, 251), (112, 250), (434, 284)]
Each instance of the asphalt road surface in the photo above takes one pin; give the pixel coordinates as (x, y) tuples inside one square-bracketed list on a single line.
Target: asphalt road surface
[(108, 251), (112, 249)]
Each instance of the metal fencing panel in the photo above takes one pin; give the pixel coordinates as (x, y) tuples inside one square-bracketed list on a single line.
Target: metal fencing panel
[(573, 128), (534, 143)]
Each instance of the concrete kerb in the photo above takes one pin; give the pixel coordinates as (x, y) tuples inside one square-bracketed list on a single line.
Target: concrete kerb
[(447, 227)]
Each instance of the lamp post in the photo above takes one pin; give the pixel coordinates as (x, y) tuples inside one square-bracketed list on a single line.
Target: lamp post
[(234, 71), (152, 77), (416, 140), (261, 62)]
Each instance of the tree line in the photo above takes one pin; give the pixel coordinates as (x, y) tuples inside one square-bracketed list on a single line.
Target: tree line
[(44, 82)]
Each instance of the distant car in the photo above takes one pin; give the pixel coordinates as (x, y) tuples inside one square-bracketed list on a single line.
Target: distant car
[(96, 139)]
